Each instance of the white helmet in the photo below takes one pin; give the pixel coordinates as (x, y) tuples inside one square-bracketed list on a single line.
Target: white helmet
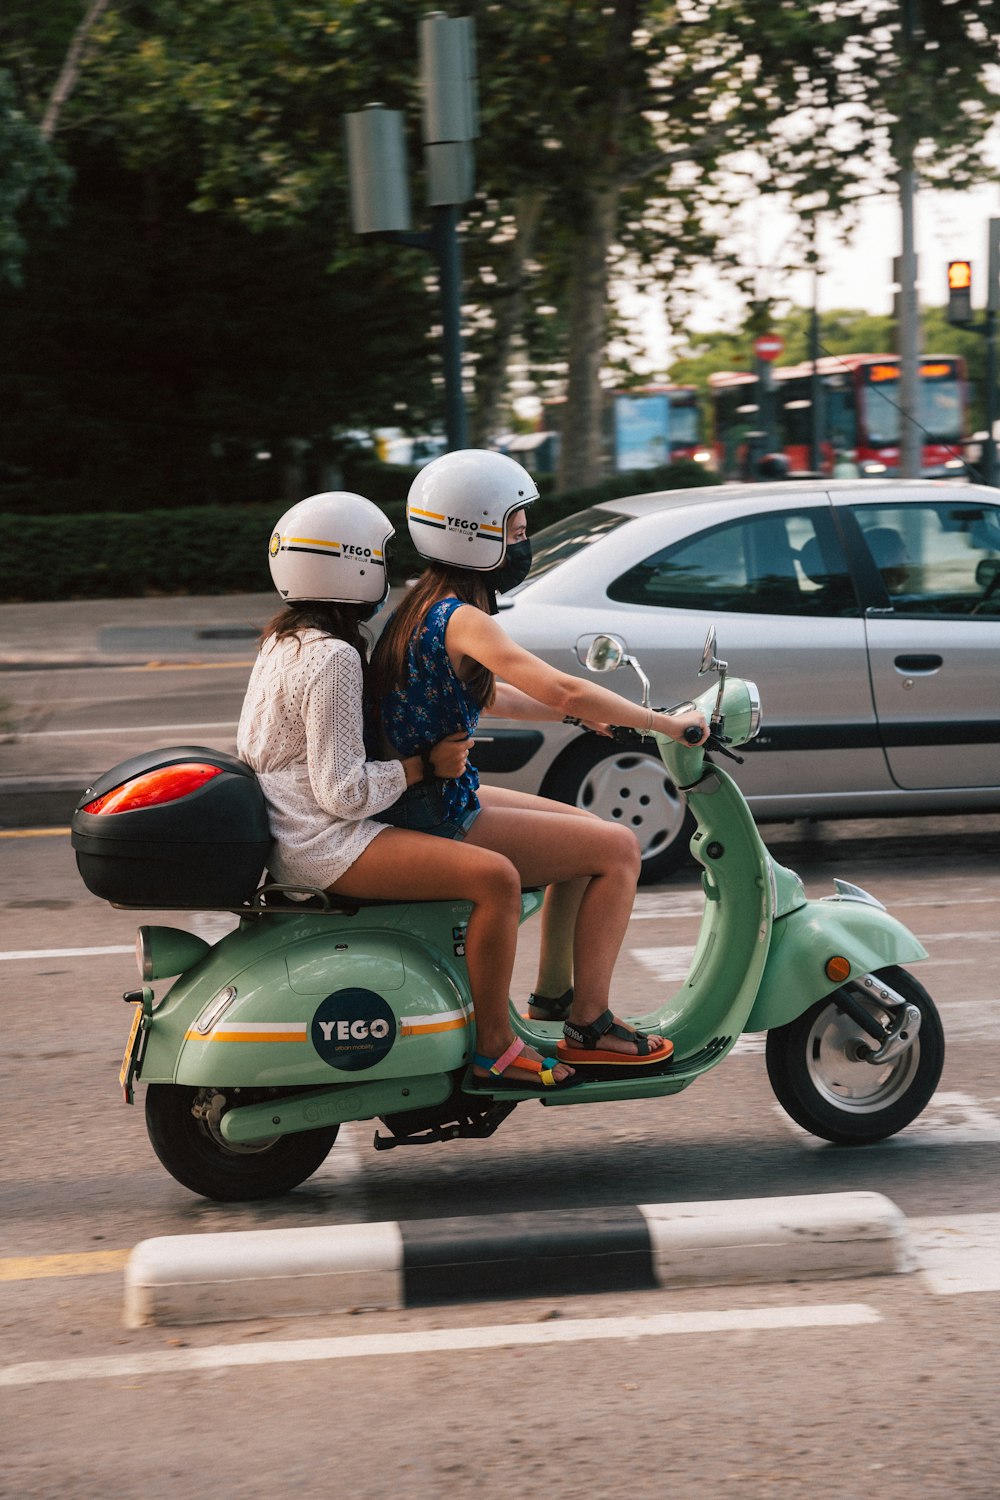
[(458, 506), (331, 547)]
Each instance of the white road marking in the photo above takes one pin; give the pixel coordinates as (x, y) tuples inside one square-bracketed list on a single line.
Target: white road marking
[(950, 1119), (343, 1167), (228, 725), (437, 1340), (665, 963), (958, 1254), (24, 953), (213, 925), (960, 937)]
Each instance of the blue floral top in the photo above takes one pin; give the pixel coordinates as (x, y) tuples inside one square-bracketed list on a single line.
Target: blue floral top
[(433, 702)]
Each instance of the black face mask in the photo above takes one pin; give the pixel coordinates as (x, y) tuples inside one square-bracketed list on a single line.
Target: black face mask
[(514, 569)]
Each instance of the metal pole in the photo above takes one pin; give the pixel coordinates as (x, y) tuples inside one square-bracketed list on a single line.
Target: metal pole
[(815, 414), (449, 259), (990, 456), (911, 444), (992, 307)]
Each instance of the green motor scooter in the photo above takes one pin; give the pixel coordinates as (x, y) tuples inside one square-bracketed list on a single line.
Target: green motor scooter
[(307, 1016)]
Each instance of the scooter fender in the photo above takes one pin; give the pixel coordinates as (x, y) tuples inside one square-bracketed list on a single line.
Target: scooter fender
[(375, 1006), (804, 940)]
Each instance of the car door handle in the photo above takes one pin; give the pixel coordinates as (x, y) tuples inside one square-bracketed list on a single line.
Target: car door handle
[(925, 663)]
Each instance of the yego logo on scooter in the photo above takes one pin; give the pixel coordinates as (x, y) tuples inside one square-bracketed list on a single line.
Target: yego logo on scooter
[(353, 1029)]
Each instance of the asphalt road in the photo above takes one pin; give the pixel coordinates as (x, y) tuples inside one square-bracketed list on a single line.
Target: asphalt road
[(819, 1390)]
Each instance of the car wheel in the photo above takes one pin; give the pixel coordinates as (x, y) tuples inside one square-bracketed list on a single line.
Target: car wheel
[(629, 787)]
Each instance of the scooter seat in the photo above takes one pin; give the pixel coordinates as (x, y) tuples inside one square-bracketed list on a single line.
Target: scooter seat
[(282, 898)]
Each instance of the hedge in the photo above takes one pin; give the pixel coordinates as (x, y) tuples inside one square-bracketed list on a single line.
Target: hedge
[(222, 549)]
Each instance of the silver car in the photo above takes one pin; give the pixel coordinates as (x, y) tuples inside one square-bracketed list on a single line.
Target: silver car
[(867, 613)]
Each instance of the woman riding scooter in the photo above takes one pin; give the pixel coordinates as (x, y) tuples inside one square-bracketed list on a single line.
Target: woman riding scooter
[(436, 668), (302, 732)]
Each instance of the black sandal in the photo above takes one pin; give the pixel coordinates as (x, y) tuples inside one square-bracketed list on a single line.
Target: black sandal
[(582, 1045), (550, 1008)]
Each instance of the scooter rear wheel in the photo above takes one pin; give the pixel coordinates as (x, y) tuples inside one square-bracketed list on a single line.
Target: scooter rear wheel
[(183, 1127), (819, 1075)]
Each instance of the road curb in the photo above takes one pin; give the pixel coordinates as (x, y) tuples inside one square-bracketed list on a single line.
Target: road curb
[(38, 801), (207, 1278)]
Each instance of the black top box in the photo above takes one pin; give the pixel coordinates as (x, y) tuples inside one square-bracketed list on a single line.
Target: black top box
[(182, 827)]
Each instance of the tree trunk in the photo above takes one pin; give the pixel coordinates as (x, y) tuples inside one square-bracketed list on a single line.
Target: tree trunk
[(580, 449), (508, 312), (70, 70), (598, 193)]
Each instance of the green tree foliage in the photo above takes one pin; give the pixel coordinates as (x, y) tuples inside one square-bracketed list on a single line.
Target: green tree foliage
[(614, 136), (171, 330), (33, 181)]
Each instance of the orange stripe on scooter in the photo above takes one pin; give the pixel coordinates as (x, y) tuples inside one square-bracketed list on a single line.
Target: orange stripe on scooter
[(246, 1036), (423, 1027)]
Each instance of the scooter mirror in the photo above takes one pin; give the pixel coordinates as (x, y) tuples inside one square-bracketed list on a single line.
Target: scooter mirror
[(605, 654), (708, 661)]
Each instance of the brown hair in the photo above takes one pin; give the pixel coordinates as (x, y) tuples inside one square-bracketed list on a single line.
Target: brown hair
[(437, 582), (341, 621)]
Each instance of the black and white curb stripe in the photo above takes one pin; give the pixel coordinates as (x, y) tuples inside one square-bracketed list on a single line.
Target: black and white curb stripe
[(207, 1278)]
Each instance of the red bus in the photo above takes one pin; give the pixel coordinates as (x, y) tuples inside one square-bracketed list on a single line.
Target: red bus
[(859, 416)]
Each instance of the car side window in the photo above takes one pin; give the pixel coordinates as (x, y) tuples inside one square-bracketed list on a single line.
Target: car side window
[(785, 563), (941, 558)]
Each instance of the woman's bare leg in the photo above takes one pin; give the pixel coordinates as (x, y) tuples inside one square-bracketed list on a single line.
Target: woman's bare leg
[(405, 866), (556, 846), (562, 898)]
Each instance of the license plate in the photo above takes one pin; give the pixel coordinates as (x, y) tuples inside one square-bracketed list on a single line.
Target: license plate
[(130, 1061)]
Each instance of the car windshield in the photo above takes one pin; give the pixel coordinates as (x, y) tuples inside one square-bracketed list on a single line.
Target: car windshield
[(940, 410), (556, 543)]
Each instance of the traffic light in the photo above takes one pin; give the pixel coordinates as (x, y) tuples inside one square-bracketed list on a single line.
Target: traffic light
[(959, 291)]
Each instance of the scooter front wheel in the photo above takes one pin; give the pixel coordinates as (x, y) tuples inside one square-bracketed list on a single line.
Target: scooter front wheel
[(183, 1126), (820, 1076)]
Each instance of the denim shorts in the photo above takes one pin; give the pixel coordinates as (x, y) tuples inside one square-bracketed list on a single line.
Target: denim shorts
[(421, 807)]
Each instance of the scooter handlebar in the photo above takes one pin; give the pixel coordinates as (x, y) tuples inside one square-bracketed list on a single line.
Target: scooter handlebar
[(623, 735)]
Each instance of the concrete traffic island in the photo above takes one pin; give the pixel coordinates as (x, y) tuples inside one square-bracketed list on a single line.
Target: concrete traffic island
[(208, 1278)]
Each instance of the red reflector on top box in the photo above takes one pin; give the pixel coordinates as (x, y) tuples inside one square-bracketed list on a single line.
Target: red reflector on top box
[(166, 785)]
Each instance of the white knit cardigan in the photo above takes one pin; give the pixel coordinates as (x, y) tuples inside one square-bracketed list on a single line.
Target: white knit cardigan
[(302, 731)]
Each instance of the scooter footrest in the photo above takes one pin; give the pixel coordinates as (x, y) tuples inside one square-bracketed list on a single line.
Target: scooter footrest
[(476, 1123)]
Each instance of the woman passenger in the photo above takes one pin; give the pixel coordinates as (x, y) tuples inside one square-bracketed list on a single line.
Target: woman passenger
[(442, 661)]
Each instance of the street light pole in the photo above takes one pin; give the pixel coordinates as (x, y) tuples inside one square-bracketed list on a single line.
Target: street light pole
[(911, 445), (380, 192), (444, 235), (992, 308)]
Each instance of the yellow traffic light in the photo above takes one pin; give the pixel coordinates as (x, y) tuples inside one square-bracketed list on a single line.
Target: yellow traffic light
[(959, 291)]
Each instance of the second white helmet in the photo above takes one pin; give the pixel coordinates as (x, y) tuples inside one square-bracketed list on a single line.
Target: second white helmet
[(458, 506), (331, 547)]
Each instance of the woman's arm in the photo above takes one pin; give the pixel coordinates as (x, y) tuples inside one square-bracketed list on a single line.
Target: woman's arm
[(511, 703), (472, 633)]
